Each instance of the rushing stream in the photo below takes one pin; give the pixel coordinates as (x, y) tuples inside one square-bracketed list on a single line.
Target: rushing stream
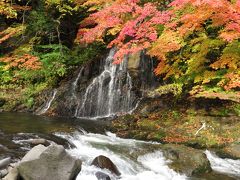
[(123, 153), (136, 160)]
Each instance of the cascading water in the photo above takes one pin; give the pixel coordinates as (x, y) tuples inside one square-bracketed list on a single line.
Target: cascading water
[(108, 94), (75, 83), (45, 108), (135, 160), (74, 90), (149, 165), (227, 166)]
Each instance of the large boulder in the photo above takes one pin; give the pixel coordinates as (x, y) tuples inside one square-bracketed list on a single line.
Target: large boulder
[(104, 162), (3, 173), (232, 151), (53, 163), (34, 153), (186, 160), (12, 174), (4, 163)]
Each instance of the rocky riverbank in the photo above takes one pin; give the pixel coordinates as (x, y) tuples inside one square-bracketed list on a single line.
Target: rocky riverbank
[(197, 123), (46, 162)]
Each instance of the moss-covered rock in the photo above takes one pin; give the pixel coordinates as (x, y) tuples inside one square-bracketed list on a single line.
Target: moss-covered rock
[(232, 151), (186, 160)]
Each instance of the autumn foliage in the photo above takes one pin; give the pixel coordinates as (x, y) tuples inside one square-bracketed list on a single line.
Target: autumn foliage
[(192, 39), (25, 61)]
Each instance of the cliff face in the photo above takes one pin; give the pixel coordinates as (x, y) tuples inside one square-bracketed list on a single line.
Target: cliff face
[(100, 88)]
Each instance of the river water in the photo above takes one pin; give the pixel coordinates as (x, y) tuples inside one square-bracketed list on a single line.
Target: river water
[(136, 160)]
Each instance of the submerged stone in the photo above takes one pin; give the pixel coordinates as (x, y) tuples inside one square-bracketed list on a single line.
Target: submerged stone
[(102, 176)]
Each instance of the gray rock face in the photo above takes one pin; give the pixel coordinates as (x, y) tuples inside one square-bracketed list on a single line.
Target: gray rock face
[(12, 175), (34, 153), (3, 173), (232, 152), (36, 142), (4, 163), (53, 163), (186, 160), (134, 64), (102, 176), (105, 163)]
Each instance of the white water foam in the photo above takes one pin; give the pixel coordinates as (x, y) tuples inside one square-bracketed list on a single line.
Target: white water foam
[(109, 94), (150, 166), (226, 166)]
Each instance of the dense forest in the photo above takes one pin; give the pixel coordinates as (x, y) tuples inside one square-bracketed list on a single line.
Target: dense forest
[(161, 70), (195, 43)]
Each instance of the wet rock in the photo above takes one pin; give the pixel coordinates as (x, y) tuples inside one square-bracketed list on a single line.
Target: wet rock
[(34, 153), (12, 175), (36, 142), (60, 141), (186, 160), (232, 151), (134, 64), (102, 176), (3, 173), (52, 162), (104, 162), (213, 176), (5, 162)]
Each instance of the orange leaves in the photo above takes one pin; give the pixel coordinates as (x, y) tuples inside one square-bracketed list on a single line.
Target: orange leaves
[(228, 61), (8, 33), (25, 61), (11, 32), (4, 37), (233, 81), (194, 40), (134, 26), (21, 8), (221, 13)]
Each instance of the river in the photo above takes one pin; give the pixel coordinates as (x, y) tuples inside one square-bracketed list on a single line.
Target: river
[(136, 160)]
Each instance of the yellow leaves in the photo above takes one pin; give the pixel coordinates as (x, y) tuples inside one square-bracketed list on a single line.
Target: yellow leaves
[(226, 61), (169, 41), (93, 8), (10, 32), (10, 9), (230, 58), (206, 77), (93, 4), (7, 10), (115, 30)]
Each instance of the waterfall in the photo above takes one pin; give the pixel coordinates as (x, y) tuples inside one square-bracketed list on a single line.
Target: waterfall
[(48, 103), (108, 94), (74, 90), (75, 83)]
